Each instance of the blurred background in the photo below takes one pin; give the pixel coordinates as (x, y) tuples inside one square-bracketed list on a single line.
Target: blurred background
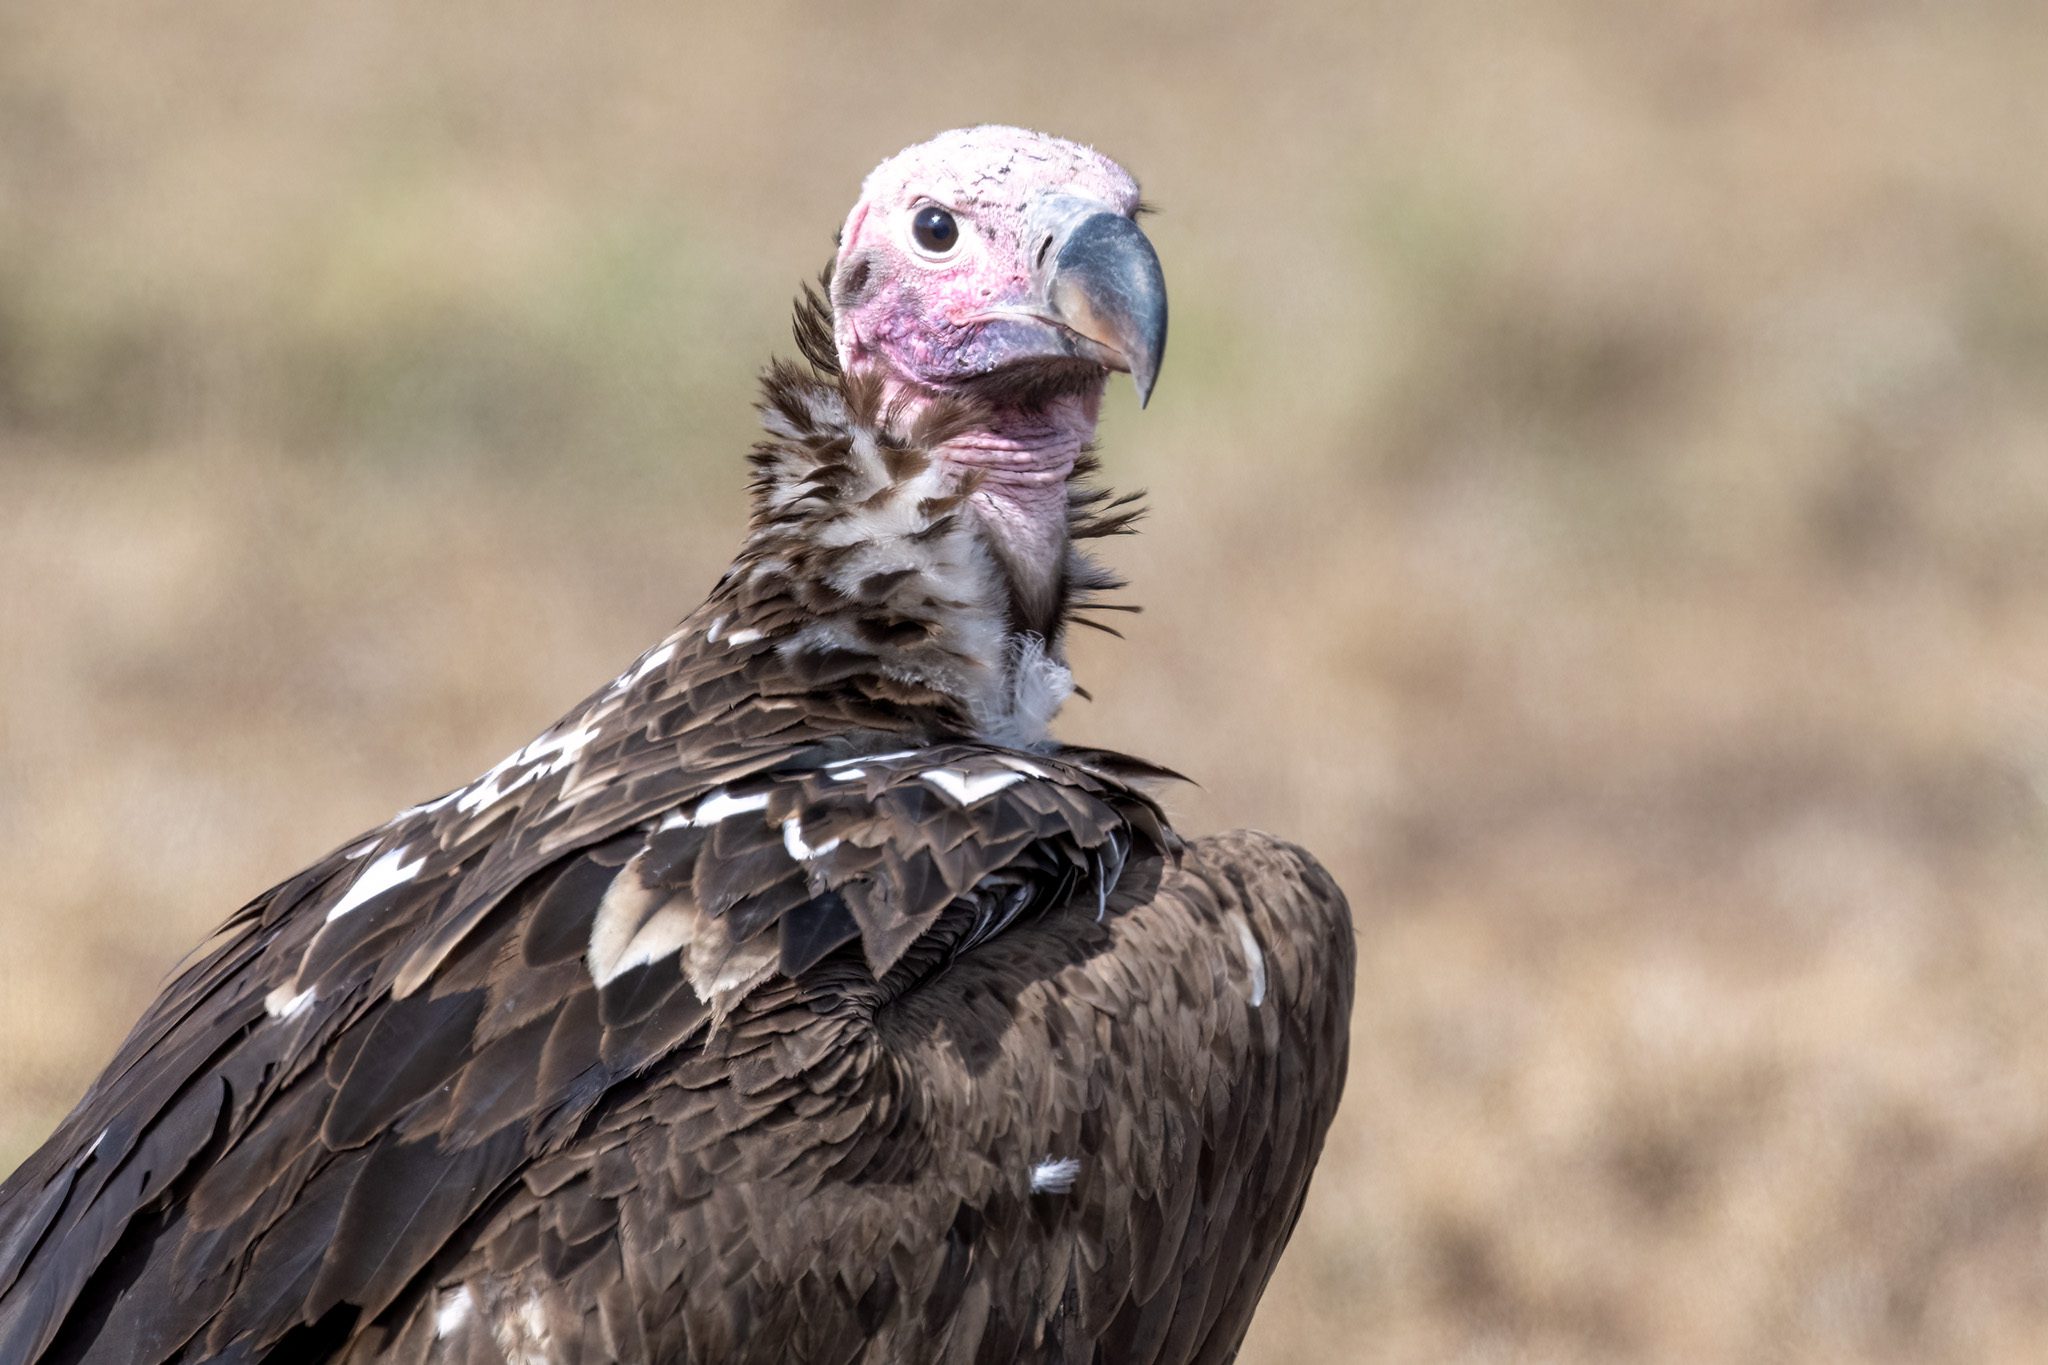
[(1600, 504)]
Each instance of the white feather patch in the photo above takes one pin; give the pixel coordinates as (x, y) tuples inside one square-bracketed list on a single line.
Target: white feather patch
[(283, 1004), (1055, 1175), (454, 1310), (872, 758), (744, 637), (490, 789), (1038, 686), (718, 806), (665, 933), (1254, 957), (560, 750), (793, 841), (967, 790), (386, 872), (631, 928), (544, 757), (487, 793), (654, 659)]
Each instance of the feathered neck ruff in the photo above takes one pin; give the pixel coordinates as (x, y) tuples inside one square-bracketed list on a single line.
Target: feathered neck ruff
[(863, 547)]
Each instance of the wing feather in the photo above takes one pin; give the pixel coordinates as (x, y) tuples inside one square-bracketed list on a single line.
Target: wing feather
[(332, 1119)]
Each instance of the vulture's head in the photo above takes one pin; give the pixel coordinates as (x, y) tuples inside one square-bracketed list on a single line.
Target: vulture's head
[(1006, 266), (1001, 261)]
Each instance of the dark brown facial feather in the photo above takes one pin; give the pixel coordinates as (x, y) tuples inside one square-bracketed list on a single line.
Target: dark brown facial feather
[(812, 327), (851, 288), (1034, 383), (1035, 606)]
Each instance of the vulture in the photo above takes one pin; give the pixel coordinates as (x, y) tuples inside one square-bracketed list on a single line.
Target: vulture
[(795, 997)]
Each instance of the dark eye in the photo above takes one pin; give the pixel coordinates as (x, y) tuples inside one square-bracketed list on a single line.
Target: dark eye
[(935, 230)]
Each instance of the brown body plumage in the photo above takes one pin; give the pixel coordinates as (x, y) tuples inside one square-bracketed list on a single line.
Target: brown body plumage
[(791, 999)]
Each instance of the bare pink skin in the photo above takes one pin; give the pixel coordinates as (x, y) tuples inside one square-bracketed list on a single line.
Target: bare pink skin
[(924, 321)]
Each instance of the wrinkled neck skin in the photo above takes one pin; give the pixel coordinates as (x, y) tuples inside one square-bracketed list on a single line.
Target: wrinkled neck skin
[(1020, 460)]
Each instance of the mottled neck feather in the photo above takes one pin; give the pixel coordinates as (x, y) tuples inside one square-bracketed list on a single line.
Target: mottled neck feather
[(864, 553)]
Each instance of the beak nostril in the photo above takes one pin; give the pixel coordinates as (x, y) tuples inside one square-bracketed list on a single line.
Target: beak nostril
[(1043, 247)]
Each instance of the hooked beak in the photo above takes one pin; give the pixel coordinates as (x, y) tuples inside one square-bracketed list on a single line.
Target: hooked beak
[(1105, 286), (1097, 296)]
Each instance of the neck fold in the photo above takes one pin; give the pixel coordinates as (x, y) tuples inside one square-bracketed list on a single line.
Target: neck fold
[(1018, 462)]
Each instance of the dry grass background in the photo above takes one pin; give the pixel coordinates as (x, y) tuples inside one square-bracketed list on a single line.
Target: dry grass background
[(1601, 505)]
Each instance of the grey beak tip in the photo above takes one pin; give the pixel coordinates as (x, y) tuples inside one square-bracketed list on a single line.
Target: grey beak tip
[(1108, 277)]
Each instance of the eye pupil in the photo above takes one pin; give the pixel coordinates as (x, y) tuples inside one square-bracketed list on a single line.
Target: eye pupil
[(935, 229)]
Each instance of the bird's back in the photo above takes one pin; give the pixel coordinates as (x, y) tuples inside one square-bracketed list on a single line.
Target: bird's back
[(1072, 1119)]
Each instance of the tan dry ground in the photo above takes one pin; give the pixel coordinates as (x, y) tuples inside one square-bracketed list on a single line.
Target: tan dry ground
[(1601, 505)]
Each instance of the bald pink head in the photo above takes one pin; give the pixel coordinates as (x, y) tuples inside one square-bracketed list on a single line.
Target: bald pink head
[(1007, 264), (929, 300)]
